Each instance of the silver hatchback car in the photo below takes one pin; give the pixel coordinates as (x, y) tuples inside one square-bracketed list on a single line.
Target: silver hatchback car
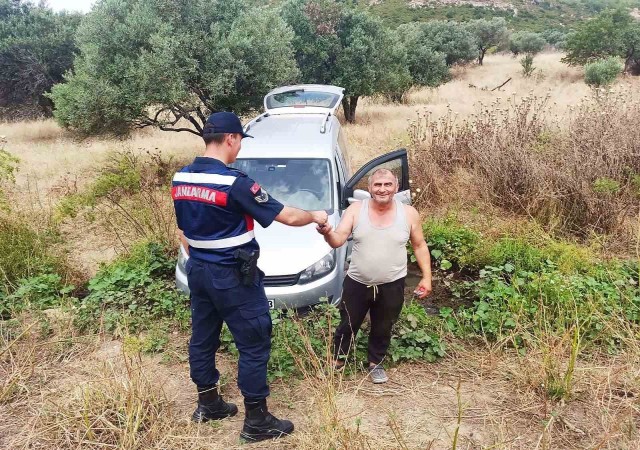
[(299, 155)]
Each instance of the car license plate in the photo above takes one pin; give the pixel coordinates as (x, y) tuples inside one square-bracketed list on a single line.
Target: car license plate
[(271, 304)]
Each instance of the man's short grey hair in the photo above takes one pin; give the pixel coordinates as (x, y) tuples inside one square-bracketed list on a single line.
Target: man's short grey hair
[(382, 171)]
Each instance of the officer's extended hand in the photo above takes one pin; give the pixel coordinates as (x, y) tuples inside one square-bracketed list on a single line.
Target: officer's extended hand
[(324, 229), (320, 217)]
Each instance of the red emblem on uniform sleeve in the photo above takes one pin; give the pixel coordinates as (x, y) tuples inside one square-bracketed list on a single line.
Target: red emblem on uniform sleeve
[(255, 188)]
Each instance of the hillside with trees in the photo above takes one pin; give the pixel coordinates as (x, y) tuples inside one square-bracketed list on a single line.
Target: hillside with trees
[(131, 64)]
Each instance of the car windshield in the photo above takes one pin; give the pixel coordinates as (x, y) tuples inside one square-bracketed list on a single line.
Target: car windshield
[(302, 98), (301, 183)]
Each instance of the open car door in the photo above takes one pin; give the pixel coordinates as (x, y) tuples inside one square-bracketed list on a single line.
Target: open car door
[(357, 187)]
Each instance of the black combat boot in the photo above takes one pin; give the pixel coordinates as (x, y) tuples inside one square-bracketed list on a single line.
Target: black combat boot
[(260, 424), (211, 406)]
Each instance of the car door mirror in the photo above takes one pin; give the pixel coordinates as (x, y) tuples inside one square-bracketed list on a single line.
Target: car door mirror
[(395, 161), (358, 196)]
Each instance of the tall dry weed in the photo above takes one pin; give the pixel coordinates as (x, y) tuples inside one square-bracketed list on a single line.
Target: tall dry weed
[(579, 179), (129, 199)]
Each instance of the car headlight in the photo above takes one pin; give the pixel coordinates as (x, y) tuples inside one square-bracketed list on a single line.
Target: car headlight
[(182, 259), (319, 269)]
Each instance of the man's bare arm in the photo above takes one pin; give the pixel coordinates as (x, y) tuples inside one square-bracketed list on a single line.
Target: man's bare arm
[(336, 238), (421, 251)]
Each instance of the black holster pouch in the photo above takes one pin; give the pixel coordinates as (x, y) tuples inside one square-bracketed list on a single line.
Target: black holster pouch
[(248, 263)]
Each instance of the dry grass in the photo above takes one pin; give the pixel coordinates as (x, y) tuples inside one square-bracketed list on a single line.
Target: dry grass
[(382, 126), (493, 398), (50, 159), (577, 177)]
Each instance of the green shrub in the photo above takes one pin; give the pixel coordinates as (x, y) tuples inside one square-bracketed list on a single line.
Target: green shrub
[(526, 42), (603, 72), (555, 38), (134, 292), (119, 177), (531, 253), (449, 243), (527, 66), (521, 286), (606, 186), (128, 199), (8, 167), (25, 252), (520, 303), (415, 336)]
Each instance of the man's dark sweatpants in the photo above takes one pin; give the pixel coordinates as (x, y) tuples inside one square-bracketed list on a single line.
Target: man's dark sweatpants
[(384, 304), (216, 296)]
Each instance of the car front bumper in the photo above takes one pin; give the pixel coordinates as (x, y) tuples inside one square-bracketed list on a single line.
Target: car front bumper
[(326, 289)]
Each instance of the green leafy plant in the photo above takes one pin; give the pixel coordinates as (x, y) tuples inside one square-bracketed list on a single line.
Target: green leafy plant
[(509, 302), (8, 167), (606, 186), (39, 292), (450, 243), (133, 292), (415, 336)]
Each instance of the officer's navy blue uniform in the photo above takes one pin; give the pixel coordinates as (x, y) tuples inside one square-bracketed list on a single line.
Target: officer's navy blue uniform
[(215, 207)]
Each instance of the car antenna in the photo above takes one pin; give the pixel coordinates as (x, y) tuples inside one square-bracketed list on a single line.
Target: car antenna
[(257, 119), (323, 125)]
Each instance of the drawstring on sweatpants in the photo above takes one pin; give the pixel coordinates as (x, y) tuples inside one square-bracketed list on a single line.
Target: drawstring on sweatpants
[(375, 290)]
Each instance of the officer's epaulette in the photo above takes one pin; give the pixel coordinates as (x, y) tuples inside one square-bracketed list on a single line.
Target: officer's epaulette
[(239, 173)]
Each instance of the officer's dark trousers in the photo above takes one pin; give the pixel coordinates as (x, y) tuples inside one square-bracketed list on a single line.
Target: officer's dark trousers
[(384, 304), (217, 296)]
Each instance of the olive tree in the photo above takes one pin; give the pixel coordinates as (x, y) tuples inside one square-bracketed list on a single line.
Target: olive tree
[(168, 64), (488, 33), (426, 66), (36, 49), (530, 44), (611, 33), (345, 46), (526, 42), (452, 39)]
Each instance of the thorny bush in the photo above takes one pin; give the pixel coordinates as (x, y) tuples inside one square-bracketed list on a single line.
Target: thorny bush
[(520, 159)]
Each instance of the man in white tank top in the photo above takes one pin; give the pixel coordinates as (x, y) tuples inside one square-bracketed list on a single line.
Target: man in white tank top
[(374, 283)]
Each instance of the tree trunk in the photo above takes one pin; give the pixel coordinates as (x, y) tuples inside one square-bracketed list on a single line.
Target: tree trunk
[(349, 104), (481, 55), (628, 61)]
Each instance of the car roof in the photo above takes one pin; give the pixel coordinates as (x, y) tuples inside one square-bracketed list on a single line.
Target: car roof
[(291, 136)]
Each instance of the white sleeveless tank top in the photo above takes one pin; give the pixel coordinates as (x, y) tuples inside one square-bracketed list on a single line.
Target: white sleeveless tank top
[(379, 255)]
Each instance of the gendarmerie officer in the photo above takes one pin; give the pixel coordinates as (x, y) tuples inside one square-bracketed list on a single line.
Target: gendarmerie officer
[(216, 207)]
